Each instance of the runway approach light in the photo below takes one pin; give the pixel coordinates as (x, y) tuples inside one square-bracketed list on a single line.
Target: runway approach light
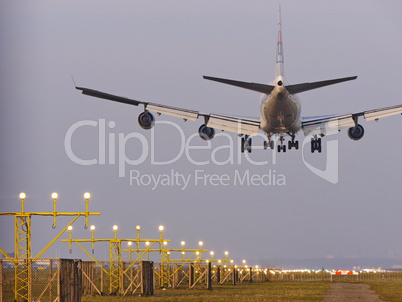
[(87, 195), (115, 228), (92, 228), (55, 195), (138, 227), (70, 228), (183, 243), (22, 195), (161, 228), (200, 243)]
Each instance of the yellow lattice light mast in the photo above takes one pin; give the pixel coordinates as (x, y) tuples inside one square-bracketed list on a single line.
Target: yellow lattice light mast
[(22, 251), (22, 242), (116, 270)]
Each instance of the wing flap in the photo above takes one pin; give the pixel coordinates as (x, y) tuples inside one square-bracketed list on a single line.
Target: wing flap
[(232, 124), (173, 111), (383, 112), (318, 125)]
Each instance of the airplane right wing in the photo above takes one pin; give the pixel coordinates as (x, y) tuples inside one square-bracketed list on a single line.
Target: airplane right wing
[(221, 122), (321, 124)]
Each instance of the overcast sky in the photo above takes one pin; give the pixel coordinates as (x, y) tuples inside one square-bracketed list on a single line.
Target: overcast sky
[(158, 51)]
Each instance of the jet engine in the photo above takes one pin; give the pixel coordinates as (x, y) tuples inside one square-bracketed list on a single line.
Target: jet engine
[(356, 133), (146, 120), (206, 133)]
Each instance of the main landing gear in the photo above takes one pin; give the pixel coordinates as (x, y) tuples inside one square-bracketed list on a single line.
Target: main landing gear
[(292, 143), (315, 144), (269, 143), (246, 144)]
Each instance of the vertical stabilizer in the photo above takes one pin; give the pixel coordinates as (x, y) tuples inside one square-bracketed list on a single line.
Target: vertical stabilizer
[(279, 47)]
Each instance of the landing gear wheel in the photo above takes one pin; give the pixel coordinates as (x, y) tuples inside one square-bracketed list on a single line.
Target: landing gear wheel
[(282, 147), (271, 145), (316, 144), (243, 141), (248, 147), (265, 145)]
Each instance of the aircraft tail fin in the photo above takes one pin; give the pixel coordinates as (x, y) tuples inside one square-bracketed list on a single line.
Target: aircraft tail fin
[(279, 48)]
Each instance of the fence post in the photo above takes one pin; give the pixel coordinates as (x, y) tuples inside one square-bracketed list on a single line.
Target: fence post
[(147, 278), (218, 274), (1, 280), (234, 275), (251, 274), (209, 275), (70, 279), (191, 275), (176, 275)]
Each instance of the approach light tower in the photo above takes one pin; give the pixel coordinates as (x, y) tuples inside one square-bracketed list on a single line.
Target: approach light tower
[(22, 242)]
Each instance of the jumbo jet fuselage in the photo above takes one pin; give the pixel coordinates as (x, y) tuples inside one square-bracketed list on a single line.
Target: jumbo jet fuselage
[(280, 111)]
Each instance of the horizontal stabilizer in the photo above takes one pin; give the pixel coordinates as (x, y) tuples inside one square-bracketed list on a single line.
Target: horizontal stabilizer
[(251, 86), (309, 86)]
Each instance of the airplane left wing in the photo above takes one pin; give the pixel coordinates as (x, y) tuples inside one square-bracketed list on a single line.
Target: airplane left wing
[(220, 122), (321, 124), (159, 109)]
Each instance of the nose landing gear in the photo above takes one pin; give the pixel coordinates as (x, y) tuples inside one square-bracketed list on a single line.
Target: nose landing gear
[(281, 146)]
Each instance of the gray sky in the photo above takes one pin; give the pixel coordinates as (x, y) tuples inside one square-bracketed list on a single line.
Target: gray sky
[(158, 51)]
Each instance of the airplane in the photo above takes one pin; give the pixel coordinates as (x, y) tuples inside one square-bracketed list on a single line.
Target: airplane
[(279, 111)]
